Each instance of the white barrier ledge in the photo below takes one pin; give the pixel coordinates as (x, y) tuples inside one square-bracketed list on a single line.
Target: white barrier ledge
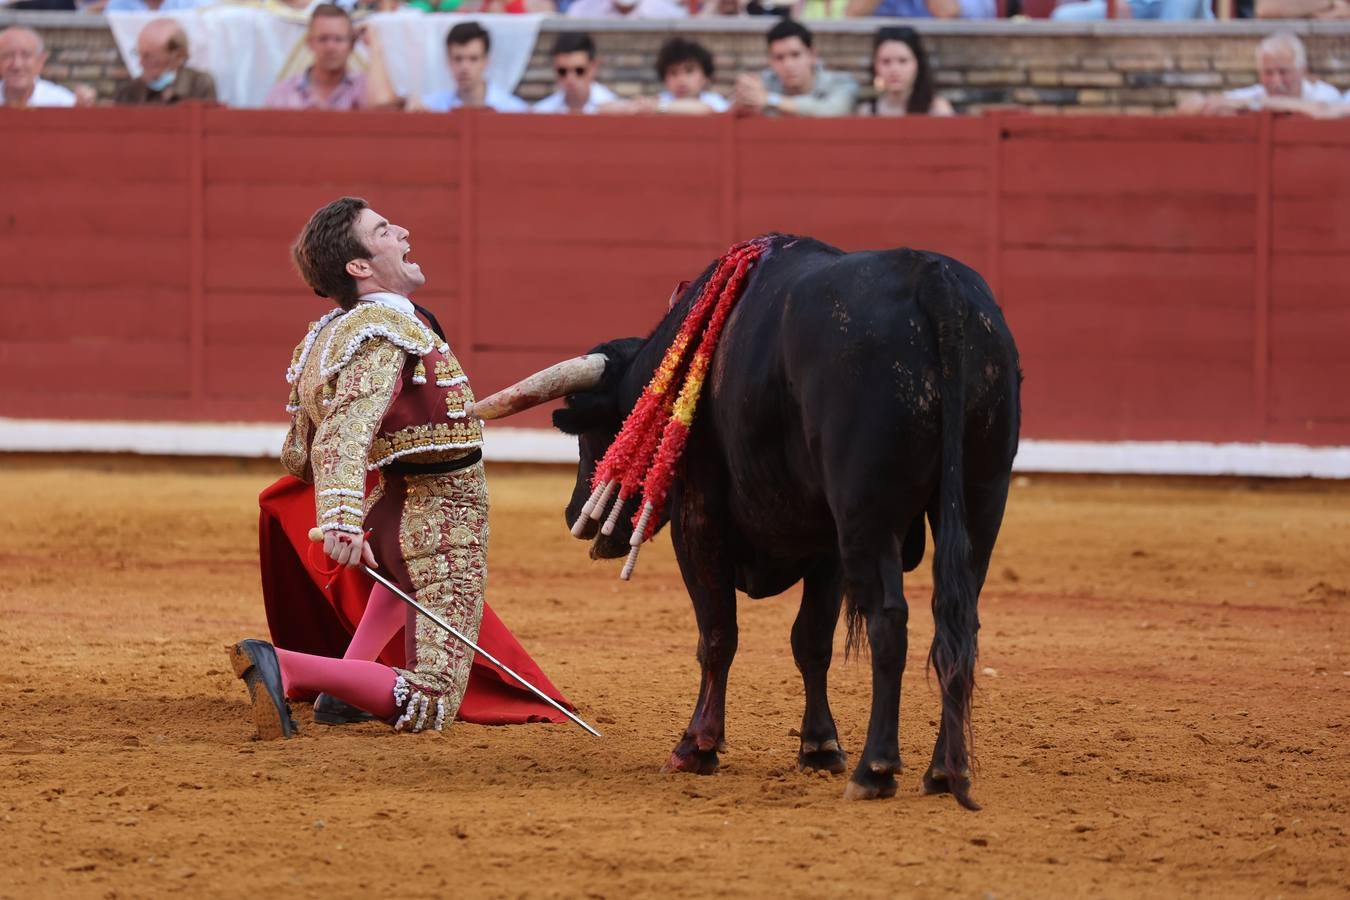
[(537, 445)]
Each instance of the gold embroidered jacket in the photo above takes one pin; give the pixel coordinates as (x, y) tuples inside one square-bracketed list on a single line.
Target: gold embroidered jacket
[(361, 398)]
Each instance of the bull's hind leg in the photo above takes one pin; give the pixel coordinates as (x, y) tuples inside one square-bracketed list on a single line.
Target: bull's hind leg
[(812, 647), (872, 582), (949, 771), (710, 579)]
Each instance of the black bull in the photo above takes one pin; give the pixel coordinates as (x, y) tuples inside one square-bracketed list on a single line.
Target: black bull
[(851, 395)]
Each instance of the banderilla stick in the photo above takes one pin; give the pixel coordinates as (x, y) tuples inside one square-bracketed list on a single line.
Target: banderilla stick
[(316, 535)]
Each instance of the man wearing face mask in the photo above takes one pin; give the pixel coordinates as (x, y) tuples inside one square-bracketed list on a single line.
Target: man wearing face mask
[(162, 47)]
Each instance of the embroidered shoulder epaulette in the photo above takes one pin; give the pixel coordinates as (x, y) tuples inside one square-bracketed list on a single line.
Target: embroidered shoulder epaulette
[(367, 321), (301, 354)]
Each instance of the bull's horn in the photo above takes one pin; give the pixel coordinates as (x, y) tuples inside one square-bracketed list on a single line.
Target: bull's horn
[(560, 379)]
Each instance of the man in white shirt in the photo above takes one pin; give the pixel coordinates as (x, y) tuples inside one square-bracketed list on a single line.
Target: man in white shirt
[(1282, 63), (466, 50), (575, 65), (22, 56)]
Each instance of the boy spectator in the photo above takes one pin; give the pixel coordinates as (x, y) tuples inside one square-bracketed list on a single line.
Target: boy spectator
[(575, 65), (327, 84), (466, 51), (795, 84), (685, 67), (1283, 65), (162, 47), (22, 56)]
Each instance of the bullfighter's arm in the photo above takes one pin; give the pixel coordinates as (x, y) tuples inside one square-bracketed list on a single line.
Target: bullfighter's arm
[(362, 392)]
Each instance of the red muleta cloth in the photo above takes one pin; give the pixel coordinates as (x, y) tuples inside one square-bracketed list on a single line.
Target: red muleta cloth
[(304, 617)]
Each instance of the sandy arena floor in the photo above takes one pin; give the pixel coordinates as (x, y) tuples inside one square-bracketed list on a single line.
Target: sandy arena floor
[(1165, 712)]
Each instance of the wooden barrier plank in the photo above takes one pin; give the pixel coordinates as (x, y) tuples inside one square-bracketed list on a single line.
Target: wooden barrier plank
[(1135, 167), (1308, 391), (1111, 399), (103, 314), (951, 224), (113, 368), (60, 208), (279, 211), (92, 157), (1070, 222), (583, 294), (900, 170), (93, 261), (1312, 225), (573, 213), (269, 158)]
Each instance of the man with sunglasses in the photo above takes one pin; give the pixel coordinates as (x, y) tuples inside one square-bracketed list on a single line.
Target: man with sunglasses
[(575, 65)]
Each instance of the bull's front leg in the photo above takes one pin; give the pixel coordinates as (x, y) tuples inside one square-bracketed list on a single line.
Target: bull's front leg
[(710, 579)]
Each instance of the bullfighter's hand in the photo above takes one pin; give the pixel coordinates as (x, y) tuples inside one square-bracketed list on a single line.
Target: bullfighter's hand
[(348, 549)]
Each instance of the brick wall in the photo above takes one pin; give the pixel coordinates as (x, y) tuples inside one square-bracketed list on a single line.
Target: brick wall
[(1131, 67)]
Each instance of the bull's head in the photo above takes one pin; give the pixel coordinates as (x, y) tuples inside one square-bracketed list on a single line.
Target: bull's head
[(594, 412)]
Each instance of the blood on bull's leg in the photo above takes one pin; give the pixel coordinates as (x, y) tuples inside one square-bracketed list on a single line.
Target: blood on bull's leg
[(812, 647), (709, 577)]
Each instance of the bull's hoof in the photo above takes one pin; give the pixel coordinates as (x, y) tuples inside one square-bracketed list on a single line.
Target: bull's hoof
[(874, 788), (822, 756), (692, 762), (937, 781)]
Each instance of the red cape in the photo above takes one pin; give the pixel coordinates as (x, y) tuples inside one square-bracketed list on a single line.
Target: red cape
[(305, 617)]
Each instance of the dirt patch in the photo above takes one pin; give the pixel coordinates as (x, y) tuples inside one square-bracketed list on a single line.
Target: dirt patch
[(1164, 710)]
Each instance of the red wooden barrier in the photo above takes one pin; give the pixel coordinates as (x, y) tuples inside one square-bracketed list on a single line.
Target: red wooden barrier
[(1165, 278)]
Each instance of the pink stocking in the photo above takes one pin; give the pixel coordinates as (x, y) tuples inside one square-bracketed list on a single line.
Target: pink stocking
[(359, 682), (385, 614)]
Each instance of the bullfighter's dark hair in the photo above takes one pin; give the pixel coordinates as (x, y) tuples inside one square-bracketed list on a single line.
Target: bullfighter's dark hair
[(325, 245), (921, 95), (681, 50), (574, 42), (789, 29), (467, 33)]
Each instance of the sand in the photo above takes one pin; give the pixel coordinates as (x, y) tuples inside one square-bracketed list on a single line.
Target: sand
[(1164, 710)]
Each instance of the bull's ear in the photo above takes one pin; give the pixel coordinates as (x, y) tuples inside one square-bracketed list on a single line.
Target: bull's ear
[(587, 411), (568, 421)]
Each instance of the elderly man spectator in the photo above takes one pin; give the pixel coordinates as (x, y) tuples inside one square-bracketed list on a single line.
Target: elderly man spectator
[(1283, 65), (328, 84), (575, 65), (22, 56), (162, 47), (466, 51), (795, 84), (626, 9)]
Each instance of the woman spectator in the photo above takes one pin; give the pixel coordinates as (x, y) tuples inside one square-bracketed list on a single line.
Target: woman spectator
[(901, 77)]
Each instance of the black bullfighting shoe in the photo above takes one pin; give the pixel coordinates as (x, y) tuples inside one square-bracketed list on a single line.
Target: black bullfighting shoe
[(256, 663), (329, 710)]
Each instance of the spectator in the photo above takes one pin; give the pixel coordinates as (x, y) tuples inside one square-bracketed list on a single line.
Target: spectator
[(923, 9), (162, 47), (466, 51), (575, 65), (1283, 66), (327, 84), (626, 9), (22, 56), (685, 67), (1302, 9), (148, 5), (795, 84), (902, 77), (1163, 10)]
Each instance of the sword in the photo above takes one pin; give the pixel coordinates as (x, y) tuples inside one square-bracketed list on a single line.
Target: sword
[(317, 535)]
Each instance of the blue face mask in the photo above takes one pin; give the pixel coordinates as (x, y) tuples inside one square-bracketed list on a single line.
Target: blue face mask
[(164, 80)]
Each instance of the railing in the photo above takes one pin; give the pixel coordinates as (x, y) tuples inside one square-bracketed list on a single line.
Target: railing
[(1166, 279)]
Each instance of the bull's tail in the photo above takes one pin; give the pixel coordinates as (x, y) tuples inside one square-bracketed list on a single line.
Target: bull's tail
[(955, 616)]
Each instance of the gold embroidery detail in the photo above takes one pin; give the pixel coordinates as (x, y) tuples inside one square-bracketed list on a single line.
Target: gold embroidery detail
[(443, 536), (459, 434), (420, 372), (370, 320), (448, 368)]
